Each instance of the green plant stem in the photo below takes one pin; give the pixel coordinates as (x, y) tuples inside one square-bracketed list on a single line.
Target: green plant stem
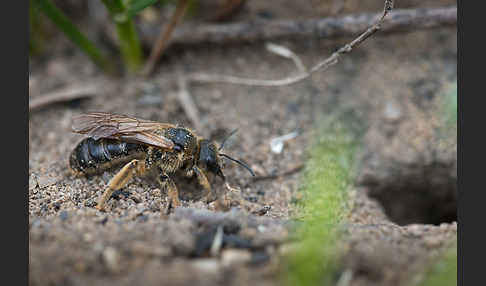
[(34, 46), (450, 106), (326, 180), (130, 47), (63, 23)]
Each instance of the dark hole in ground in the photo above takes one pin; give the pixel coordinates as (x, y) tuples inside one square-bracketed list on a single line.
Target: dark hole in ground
[(426, 196)]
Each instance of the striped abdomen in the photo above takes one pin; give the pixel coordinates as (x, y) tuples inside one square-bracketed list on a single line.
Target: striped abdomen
[(94, 156)]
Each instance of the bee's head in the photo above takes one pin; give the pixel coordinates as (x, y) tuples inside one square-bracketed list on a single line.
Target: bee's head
[(210, 158)]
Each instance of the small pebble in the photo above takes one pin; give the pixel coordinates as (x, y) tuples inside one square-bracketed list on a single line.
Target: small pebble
[(454, 226), (261, 228), (392, 111), (32, 183), (262, 211), (88, 237), (90, 203), (234, 256), (148, 250), (111, 258), (432, 241), (136, 198), (104, 220), (119, 194), (56, 205), (206, 265), (63, 215), (259, 258), (444, 226), (45, 181), (288, 248), (415, 229), (150, 100), (154, 207)]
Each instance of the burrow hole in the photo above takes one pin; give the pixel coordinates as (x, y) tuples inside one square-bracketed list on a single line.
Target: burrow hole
[(426, 196)]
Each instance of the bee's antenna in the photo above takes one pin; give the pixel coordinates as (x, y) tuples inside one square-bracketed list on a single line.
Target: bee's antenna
[(226, 138), (239, 162)]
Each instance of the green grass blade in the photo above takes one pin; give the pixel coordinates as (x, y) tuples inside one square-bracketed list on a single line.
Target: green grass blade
[(34, 31), (446, 125), (326, 180), (130, 47), (65, 25), (451, 106)]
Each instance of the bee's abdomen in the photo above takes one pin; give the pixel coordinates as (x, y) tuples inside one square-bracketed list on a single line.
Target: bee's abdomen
[(94, 156)]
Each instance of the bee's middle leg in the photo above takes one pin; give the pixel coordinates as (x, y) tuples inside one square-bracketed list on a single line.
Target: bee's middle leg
[(121, 179), (166, 182)]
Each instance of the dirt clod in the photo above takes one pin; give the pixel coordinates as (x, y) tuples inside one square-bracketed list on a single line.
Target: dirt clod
[(231, 257)]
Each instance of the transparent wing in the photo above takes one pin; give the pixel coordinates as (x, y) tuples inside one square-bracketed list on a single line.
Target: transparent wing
[(118, 126)]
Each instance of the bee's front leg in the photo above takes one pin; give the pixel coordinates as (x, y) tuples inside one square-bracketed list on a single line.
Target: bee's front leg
[(221, 203), (166, 182), (203, 181), (120, 180)]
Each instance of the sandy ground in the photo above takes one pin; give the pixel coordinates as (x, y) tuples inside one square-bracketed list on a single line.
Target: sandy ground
[(403, 202)]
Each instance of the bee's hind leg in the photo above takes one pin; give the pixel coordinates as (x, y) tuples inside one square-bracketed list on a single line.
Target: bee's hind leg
[(120, 180)]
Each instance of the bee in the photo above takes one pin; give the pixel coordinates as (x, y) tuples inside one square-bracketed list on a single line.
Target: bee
[(143, 146)]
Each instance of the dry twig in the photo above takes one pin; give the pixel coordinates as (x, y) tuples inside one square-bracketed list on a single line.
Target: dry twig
[(228, 8), (323, 65), (64, 95), (288, 172), (286, 53), (164, 37), (321, 28), (188, 104)]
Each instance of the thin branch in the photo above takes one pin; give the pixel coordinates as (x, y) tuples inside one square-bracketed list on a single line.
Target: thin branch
[(188, 104), (399, 20), (227, 10), (64, 95), (295, 169), (286, 53), (163, 39), (323, 65)]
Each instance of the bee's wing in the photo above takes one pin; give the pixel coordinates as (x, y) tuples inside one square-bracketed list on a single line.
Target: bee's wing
[(117, 126)]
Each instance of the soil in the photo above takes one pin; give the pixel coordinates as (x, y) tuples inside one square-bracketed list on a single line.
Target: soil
[(403, 203)]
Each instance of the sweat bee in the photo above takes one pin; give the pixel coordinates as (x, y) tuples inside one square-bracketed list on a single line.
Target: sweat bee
[(143, 145)]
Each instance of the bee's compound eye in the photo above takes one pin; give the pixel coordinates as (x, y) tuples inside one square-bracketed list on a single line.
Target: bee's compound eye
[(177, 148)]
